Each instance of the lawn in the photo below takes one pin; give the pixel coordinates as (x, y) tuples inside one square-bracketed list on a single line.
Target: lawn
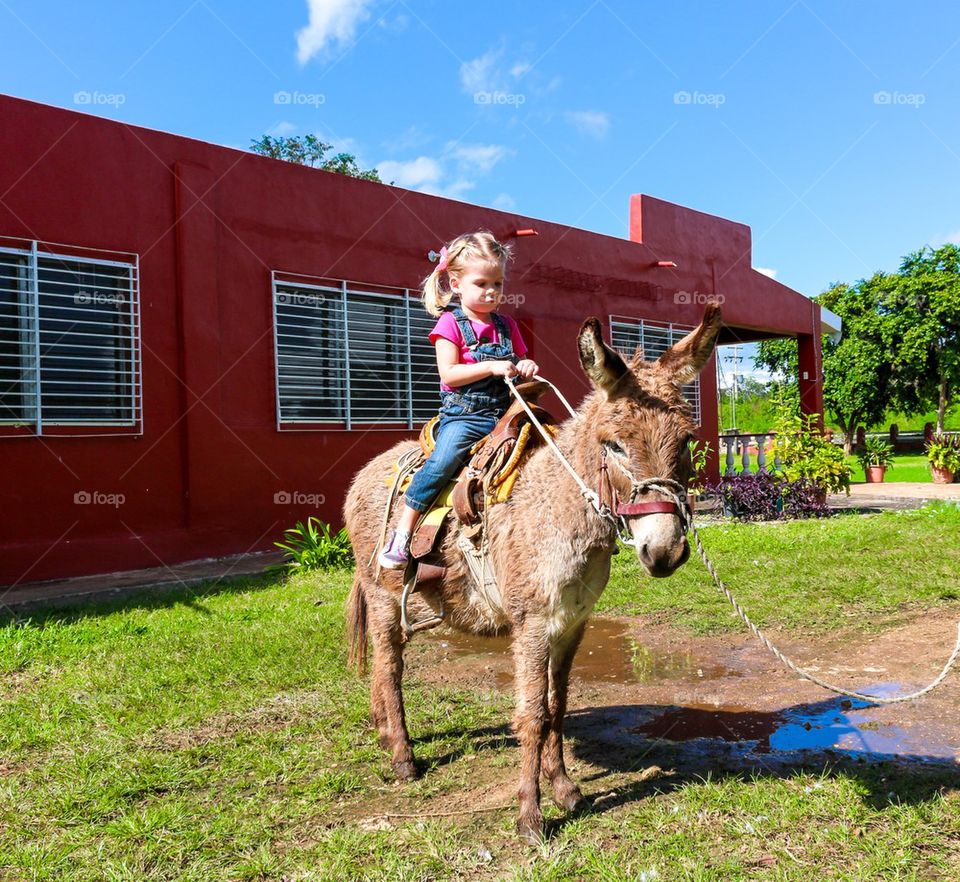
[(216, 734)]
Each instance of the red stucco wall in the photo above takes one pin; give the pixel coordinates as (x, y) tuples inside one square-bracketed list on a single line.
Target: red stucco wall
[(209, 224)]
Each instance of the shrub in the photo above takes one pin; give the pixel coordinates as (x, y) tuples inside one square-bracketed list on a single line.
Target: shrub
[(805, 453), (313, 546), (804, 499), (699, 451), (750, 497), (767, 496)]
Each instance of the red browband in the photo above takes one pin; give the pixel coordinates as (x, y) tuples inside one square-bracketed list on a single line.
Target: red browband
[(644, 508)]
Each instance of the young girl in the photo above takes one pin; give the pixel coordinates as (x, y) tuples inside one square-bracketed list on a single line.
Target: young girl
[(476, 348)]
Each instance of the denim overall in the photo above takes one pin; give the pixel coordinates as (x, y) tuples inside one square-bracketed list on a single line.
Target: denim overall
[(466, 415)]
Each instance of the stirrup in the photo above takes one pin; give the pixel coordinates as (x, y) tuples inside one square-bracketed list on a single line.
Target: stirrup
[(409, 583)]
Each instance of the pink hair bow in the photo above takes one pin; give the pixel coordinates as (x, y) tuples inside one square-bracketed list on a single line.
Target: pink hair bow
[(442, 259)]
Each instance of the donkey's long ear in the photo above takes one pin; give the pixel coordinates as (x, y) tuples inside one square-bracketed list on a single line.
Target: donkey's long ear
[(685, 359), (599, 362)]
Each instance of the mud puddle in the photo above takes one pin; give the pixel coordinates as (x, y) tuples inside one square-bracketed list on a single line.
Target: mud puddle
[(609, 653), (724, 697), (852, 726)]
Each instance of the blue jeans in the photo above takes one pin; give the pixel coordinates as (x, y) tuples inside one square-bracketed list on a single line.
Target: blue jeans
[(459, 429)]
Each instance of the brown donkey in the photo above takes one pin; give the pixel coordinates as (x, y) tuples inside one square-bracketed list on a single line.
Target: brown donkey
[(550, 550)]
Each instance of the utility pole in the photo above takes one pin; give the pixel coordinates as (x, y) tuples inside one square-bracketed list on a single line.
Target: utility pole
[(736, 358)]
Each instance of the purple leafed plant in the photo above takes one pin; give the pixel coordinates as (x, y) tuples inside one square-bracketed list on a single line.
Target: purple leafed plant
[(766, 496), (804, 498)]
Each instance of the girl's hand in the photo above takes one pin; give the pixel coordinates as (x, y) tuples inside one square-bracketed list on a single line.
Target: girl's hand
[(502, 369), (527, 368)]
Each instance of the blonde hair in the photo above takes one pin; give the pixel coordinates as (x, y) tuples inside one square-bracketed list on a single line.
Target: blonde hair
[(470, 246)]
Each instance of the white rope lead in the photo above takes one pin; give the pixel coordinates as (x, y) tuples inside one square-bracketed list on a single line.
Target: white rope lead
[(661, 485), (863, 696)]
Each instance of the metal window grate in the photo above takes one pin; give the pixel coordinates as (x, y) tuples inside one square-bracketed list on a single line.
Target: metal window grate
[(69, 340), (654, 338), (348, 354)]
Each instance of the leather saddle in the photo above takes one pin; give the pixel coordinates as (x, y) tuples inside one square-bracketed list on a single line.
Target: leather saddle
[(489, 475)]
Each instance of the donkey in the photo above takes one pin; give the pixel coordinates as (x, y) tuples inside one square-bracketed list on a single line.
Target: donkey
[(550, 551)]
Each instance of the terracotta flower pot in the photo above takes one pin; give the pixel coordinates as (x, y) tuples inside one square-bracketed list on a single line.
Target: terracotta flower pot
[(875, 474), (941, 476)]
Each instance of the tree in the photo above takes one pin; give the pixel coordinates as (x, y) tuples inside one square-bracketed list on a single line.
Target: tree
[(922, 311), (311, 151), (857, 369)]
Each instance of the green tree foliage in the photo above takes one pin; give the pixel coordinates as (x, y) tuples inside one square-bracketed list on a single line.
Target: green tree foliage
[(921, 313), (311, 151), (857, 369)]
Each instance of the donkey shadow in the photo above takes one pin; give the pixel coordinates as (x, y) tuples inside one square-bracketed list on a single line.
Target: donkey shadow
[(685, 744)]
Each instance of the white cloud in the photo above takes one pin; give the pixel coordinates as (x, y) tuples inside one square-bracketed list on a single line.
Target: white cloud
[(481, 74), (417, 174), (477, 157), (491, 72), (451, 174), (505, 202), (766, 271), (330, 21), (282, 129), (594, 123)]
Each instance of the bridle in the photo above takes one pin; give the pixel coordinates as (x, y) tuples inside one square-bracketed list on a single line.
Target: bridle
[(617, 512)]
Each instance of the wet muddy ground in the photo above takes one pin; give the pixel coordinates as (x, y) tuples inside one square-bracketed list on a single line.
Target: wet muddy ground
[(644, 694)]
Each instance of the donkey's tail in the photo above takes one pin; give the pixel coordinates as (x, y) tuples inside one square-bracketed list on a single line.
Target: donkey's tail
[(357, 626)]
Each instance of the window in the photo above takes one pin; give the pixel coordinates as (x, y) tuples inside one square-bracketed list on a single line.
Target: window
[(655, 338), (69, 340), (350, 354)]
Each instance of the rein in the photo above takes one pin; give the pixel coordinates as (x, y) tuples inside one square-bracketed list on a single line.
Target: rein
[(617, 513)]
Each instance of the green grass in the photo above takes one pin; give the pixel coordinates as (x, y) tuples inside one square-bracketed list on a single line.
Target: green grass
[(217, 735), (810, 576)]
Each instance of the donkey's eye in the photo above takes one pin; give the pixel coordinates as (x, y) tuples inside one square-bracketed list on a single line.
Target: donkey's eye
[(613, 447)]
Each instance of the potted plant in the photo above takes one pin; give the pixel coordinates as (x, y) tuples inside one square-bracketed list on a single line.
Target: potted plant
[(943, 452), (875, 458)]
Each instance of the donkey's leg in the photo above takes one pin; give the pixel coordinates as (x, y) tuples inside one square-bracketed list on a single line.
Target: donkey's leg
[(566, 794), (386, 697), (531, 657)]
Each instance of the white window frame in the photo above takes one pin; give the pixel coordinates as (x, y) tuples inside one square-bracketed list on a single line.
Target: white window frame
[(33, 326), (410, 383), (628, 332)]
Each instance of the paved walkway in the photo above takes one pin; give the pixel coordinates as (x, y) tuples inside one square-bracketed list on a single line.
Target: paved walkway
[(60, 592), (893, 496)]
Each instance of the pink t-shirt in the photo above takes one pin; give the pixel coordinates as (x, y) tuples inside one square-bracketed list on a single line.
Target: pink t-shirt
[(447, 328)]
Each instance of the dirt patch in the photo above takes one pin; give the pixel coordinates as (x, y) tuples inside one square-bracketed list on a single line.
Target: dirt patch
[(649, 696)]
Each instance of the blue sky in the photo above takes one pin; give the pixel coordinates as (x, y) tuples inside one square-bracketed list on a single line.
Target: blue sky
[(831, 128)]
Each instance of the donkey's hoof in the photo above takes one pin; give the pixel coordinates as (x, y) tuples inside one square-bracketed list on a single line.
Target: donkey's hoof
[(531, 829), (405, 770), (570, 799)]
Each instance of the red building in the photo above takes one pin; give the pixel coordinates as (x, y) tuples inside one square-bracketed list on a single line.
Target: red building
[(199, 346)]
